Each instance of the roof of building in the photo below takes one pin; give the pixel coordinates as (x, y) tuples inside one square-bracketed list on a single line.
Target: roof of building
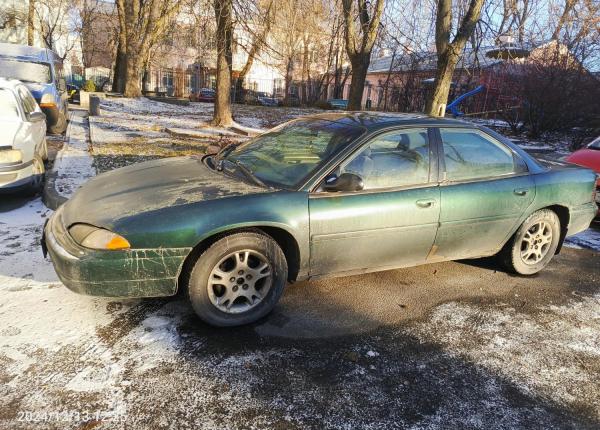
[(424, 61)]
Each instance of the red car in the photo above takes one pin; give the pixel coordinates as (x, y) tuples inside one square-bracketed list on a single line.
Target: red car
[(589, 157), (204, 95)]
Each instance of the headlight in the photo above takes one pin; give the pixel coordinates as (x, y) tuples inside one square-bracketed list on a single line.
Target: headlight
[(11, 156), (97, 238), (47, 100)]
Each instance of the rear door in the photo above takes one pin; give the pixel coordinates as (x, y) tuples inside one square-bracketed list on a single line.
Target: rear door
[(392, 222), (485, 189)]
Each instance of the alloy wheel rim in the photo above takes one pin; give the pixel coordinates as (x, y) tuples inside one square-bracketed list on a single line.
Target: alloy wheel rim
[(536, 242), (240, 281)]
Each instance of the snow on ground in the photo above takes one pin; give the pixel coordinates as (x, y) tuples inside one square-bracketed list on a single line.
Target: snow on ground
[(504, 362), (588, 239), (501, 339), (74, 163)]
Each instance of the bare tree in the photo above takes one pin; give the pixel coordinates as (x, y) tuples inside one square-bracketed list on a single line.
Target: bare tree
[(224, 35), (361, 24), (448, 52), (140, 24), (30, 22)]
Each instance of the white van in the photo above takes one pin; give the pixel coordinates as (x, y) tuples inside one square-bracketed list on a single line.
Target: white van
[(23, 148)]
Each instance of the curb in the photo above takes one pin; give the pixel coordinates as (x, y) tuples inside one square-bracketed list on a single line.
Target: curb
[(50, 195)]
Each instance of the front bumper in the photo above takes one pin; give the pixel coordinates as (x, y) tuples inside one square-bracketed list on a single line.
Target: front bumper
[(15, 175), (131, 273)]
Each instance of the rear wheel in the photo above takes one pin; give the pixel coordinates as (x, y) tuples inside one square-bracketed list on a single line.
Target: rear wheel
[(238, 280), (533, 245), (60, 126)]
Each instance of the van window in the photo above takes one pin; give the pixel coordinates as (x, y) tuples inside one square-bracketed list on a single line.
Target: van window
[(8, 104), (25, 72)]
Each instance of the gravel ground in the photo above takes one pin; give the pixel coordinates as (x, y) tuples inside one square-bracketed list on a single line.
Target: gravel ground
[(450, 345)]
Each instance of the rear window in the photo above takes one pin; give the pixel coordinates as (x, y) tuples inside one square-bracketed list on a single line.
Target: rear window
[(8, 104), (25, 71)]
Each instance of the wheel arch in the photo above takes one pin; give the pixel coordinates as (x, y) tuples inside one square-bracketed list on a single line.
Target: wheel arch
[(284, 238)]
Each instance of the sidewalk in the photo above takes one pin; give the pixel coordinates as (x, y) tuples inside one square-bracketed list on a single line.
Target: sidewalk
[(74, 164)]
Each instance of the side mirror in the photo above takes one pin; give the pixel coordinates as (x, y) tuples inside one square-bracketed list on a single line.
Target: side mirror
[(344, 182), (36, 116)]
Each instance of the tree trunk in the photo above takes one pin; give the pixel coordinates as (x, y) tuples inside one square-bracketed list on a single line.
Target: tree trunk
[(222, 110), (436, 101), (448, 51), (120, 70), (30, 22), (360, 64), (288, 81), (132, 76)]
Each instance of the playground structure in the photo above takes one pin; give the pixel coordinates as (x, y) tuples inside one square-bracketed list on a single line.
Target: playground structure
[(453, 107)]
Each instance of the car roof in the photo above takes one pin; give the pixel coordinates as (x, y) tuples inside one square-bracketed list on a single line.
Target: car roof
[(28, 53), (373, 121), (9, 83)]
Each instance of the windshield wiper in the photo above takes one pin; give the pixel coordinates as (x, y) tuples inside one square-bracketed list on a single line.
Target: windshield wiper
[(249, 174), (222, 154)]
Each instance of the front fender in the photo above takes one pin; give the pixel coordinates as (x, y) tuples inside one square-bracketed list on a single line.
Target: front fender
[(186, 226)]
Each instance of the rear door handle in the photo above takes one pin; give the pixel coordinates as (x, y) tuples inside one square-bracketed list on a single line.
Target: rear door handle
[(521, 191), (426, 203)]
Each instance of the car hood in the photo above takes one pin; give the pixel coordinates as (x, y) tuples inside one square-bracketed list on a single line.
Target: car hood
[(148, 187)]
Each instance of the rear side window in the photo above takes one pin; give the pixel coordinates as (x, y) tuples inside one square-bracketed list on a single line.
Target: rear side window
[(469, 154), (8, 104)]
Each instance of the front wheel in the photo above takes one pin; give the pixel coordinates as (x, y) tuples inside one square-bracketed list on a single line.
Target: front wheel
[(533, 245), (238, 280)]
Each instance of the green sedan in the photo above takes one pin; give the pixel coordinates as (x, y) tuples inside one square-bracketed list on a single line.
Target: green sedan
[(332, 194)]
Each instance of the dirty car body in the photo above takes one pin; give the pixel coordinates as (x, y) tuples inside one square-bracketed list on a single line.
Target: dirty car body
[(417, 202)]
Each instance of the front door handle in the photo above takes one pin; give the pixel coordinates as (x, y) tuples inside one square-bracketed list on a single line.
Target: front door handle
[(521, 191), (426, 203)]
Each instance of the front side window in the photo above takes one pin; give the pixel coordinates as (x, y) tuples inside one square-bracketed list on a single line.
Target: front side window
[(289, 154), (394, 159), (8, 104), (469, 154)]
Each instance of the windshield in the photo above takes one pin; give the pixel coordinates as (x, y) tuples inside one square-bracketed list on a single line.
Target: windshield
[(286, 156), (595, 144), (24, 71)]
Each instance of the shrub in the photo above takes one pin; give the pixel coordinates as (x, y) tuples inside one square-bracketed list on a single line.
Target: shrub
[(322, 104), (89, 86)]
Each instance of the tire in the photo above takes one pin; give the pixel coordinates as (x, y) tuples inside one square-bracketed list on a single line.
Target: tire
[(61, 125), (37, 178), (533, 245), (238, 280), (44, 151)]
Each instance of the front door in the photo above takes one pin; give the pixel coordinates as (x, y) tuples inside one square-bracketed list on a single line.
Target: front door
[(392, 222), (485, 191)]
